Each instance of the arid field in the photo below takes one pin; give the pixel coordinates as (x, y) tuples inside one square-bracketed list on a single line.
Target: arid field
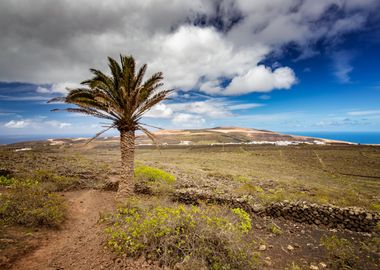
[(341, 175)]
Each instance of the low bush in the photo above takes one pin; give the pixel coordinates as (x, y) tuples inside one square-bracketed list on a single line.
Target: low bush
[(184, 237), (273, 228), (54, 182), (340, 252), (293, 266), (250, 189), (6, 181), (151, 180), (27, 203)]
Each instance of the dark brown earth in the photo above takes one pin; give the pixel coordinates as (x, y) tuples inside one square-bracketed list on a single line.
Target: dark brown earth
[(80, 242)]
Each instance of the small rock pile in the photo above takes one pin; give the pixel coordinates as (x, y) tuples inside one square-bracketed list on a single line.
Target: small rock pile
[(351, 218)]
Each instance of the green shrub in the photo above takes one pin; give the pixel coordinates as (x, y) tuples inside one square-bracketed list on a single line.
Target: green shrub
[(273, 228), (54, 182), (293, 266), (5, 181), (250, 189), (205, 237), (376, 207), (241, 179), (153, 181), (340, 252), (28, 204), (150, 174)]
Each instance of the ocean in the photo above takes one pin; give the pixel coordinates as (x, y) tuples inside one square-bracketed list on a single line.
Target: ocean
[(355, 137), (7, 139)]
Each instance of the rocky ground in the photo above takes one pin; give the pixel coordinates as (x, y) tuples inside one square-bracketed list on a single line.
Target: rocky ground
[(79, 244), (266, 172)]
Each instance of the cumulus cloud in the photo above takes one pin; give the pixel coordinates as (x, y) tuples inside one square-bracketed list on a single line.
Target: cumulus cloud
[(188, 120), (61, 88), (58, 124), (197, 44), (198, 113), (161, 110), (36, 123), (16, 124), (261, 79)]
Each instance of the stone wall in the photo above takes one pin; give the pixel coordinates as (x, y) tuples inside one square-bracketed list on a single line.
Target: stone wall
[(351, 218)]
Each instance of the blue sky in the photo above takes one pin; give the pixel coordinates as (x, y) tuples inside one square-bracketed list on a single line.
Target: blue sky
[(282, 66)]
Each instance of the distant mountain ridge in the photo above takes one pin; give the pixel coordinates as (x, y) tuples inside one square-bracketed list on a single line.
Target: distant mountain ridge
[(230, 135), (204, 136)]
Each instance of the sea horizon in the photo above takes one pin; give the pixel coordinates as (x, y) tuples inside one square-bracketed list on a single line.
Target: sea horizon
[(366, 137)]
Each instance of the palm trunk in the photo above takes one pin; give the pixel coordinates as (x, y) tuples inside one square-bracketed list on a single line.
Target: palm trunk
[(127, 148)]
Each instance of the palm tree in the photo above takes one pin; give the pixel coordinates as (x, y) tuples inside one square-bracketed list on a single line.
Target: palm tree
[(122, 98)]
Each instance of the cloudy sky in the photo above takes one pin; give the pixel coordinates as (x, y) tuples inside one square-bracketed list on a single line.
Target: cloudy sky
[(284, 65)]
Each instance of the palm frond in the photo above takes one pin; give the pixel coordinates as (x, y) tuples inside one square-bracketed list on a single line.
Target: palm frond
[(122, 97), (57, 99), (151, 126), (149, 134), (100, 133), (87, 111), (151, 101)]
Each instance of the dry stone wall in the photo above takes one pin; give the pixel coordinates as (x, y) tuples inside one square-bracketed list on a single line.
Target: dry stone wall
[(351, 218)]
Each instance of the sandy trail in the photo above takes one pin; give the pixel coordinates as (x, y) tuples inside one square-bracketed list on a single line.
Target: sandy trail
[(80, 243)]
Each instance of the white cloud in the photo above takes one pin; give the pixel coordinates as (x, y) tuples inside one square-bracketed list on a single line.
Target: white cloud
[(188, 120), (58, 124), (23, 98), (261, 79), (161, 110), (245, 106), (213, 108), (342, 66), (192, 53), (216, 108), (17, 124), (364, 113), (71, 39), (341, 121), (39, 123), (61, 88)]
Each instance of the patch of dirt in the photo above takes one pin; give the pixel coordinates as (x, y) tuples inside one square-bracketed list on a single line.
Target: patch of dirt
[(80, 243)]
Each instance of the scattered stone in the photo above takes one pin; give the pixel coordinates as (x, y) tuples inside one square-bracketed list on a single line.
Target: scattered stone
[(7, 241), (267, 263), (290, 247), (262, 247), (322, 265), (313, 267)]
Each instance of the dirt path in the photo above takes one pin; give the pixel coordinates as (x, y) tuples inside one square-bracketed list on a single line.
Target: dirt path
[(80, 243)]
